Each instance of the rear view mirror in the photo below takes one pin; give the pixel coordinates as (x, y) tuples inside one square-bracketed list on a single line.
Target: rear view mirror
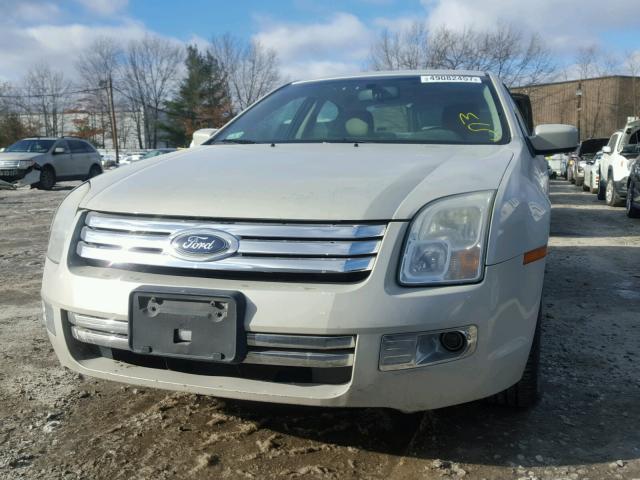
[(378, 93), (554, 138), (606, 149), (58, 150)]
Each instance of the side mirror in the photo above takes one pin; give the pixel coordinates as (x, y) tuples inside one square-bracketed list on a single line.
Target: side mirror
[(524, 105), (554, 138), (58, 150), (606, 149)]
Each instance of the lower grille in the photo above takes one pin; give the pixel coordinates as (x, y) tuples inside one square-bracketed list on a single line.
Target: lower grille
[(314, 351)]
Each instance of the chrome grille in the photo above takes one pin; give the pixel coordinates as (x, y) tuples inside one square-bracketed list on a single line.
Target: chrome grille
[(316, 351), (9, 163), (263, 247)]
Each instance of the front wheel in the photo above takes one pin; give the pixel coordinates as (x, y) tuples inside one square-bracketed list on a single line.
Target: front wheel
[(524, 394), (633, 210), (94, 171), (47, 178), (611, 194)]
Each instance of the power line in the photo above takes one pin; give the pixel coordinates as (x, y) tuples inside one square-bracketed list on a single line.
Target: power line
[(61, 94)]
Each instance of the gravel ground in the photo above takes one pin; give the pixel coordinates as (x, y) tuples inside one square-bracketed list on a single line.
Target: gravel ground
[(55, 424)]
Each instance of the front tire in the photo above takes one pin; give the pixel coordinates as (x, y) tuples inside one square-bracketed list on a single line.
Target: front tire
[(524, 394), (611, 194), (633, 210), (94, 171), (47, 178)]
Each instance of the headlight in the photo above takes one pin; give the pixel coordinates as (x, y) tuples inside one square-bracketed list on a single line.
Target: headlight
[(25, 163), (63, 221), (446, 241)]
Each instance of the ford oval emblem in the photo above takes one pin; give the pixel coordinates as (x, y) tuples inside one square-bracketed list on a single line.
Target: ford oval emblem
[(202, 245)]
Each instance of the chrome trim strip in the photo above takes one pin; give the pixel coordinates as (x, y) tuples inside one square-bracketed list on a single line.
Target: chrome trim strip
[(235, 263), (275, 230), (247, 247), (107, 325), (311, 342), (300, 359), (102, 339), (267, 357)]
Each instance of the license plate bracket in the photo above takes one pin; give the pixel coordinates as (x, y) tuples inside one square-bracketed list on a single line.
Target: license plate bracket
[(186, 323)]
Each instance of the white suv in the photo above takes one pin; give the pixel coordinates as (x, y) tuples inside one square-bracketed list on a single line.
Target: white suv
[(614, 164), (42, 162)]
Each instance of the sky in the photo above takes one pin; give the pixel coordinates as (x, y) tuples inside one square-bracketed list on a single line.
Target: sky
[(311, 37)]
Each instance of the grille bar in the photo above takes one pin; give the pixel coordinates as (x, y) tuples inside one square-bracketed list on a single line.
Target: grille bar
[(247, 247), (318, 351), (236, 264), (287, 248), (262, 230)]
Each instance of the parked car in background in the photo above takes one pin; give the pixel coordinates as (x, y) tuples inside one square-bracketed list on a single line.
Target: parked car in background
[(376, 240), (127, 158), (201, 136), (44, 161), (592, 173), (614, 164), (578, 159), (633, 189), (558, 164), (157, 152)]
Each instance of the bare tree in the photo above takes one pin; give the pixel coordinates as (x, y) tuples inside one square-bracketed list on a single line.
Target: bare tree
[(99, 62), (517, 58), (251, 70), (149, 76), (45, 94), (632, 66)]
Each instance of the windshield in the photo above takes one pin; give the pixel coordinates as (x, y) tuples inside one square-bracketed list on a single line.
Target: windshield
[(450, 109), (31, 146)]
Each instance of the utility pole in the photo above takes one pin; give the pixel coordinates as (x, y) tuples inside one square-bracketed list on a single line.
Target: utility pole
[(112, 111), (579, 107)]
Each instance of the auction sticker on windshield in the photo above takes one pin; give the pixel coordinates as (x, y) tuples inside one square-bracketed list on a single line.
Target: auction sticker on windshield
[(449, 78)]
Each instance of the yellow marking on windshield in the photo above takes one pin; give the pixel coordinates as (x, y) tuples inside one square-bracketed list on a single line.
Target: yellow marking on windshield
[(469, 120)]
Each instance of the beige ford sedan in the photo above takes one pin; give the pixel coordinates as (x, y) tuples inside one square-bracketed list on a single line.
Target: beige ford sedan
[(375, 240)]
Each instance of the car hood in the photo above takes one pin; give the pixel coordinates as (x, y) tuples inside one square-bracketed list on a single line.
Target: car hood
[(312, 182), (12, 156)]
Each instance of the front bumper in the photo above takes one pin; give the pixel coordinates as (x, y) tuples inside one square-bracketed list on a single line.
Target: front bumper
[(503, 307)]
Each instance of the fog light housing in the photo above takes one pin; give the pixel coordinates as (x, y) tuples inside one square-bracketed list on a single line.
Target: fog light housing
[(47, 317), (411, 350)]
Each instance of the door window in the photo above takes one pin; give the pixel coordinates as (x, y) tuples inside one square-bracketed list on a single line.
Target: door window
[(77, 146), (62, 144)]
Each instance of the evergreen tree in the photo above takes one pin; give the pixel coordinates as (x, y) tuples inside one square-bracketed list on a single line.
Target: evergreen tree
[(202, 101)]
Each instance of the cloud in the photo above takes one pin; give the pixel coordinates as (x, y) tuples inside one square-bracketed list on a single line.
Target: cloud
[(565, 25), (338, 45), (104, 7), (29, 10), (57, 45)]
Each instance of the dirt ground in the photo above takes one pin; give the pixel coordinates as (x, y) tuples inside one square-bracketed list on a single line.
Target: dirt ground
[(55, 424)]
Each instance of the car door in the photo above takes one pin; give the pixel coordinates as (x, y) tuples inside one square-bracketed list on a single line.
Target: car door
[(61, 162), (79, 161)]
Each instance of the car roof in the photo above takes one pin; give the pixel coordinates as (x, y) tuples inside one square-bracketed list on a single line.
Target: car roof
[(395, 73)]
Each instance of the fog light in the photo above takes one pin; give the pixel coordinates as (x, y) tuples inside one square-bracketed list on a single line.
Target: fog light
[(411, 350), (47, 317), (453, 341)]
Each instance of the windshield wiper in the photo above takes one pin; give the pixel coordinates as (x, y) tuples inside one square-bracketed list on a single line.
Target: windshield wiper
[(237, 140)]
